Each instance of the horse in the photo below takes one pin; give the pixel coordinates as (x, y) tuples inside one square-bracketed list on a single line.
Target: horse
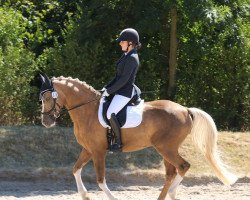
[(165, 125)]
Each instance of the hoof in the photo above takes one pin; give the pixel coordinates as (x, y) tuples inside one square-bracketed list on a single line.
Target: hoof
[(172, 195), (85, 197)]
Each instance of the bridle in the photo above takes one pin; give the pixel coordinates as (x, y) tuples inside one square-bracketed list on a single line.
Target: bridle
[(53, 112)]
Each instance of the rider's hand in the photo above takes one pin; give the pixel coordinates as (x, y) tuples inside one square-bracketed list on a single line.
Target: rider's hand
[(105, 93), (102, 90)]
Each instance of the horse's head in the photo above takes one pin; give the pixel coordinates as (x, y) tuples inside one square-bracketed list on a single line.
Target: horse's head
[(64, 92), (50, 106)]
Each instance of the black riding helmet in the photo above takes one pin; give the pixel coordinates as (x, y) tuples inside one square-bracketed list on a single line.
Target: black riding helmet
[(129, 34)]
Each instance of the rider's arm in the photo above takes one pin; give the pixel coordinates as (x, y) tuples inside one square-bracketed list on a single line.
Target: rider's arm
[(128, 69)]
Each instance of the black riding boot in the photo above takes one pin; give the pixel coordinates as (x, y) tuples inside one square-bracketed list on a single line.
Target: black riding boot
[(117, 145)]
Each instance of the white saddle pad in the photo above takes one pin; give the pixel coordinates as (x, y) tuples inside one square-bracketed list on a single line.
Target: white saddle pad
[(134, 115)]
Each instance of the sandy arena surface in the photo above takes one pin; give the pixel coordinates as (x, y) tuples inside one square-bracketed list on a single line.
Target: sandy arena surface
[(66, 190)]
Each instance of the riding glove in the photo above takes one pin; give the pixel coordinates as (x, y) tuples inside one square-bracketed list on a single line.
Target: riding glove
[(105, 93), (103, 89)]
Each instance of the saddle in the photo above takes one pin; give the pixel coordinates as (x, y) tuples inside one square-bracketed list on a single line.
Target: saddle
[(121, 115), (130, 116)]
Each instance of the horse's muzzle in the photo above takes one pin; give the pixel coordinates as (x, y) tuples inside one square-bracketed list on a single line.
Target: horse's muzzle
[(48, 121)]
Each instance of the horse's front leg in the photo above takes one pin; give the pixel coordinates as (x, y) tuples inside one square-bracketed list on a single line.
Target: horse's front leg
[(99, 163), (80, 163)]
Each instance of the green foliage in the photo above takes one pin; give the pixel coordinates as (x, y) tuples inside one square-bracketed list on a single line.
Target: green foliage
[(77, 38), (16, 67), (213, 70), (35, 26), (91, 50), (47, 21)]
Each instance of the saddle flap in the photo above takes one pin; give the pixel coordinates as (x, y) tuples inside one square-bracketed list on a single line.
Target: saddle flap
[(121, 116), (130, 116)]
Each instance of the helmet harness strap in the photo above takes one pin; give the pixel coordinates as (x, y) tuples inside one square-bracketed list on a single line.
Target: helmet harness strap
[(129, 44)]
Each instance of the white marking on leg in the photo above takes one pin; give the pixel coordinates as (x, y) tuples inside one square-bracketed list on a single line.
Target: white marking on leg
[(80, 186), (105, 188), (174, 185)]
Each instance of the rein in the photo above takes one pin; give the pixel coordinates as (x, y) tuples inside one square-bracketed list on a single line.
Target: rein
[(57, 112), (82, 104), (53, 109)]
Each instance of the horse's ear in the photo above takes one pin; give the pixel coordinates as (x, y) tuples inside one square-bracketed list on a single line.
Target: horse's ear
[(37, 81), (47, 80), (45, 83), (42, 79)]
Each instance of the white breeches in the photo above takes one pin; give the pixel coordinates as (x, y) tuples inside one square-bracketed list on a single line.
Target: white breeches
[(118, 103)]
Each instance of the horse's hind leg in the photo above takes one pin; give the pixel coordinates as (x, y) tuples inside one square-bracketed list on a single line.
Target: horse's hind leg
[(181, 164), (172, 156), (82, 160), (175, 159), (168, 147), (170, 175), (176, 182)]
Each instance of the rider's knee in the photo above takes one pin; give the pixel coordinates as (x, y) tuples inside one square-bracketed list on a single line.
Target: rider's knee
[(109, 113)]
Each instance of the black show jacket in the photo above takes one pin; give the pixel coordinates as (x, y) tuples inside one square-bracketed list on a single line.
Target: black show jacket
[(126, 70)]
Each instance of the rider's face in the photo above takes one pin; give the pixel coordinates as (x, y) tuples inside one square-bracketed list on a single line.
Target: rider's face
[(124, 45)]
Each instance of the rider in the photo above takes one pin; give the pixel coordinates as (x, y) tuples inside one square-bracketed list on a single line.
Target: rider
[(122, 85)]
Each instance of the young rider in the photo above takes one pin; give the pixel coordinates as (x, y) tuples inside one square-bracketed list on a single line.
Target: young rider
[(122, 85)]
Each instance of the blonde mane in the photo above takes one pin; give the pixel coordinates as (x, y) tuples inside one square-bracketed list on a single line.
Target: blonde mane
[(77, 82)]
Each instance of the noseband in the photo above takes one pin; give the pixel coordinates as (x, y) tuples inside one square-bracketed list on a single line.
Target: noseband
[(53, 109)]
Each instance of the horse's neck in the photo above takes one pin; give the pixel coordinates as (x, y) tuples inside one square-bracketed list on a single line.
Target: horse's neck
[(76, 94)]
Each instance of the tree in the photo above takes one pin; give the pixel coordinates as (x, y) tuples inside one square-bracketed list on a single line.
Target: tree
[(204, 36), (48, 21), (173, 54), (16, 67), (77, 39), (213, 61)]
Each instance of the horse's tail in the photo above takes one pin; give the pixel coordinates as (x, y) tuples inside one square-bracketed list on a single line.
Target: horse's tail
[(204, 134)]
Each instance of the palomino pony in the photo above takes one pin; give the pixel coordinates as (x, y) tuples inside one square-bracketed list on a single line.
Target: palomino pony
[(165, 125)]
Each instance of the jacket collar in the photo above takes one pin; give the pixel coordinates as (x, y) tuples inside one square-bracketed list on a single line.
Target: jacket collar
[(124, 55)]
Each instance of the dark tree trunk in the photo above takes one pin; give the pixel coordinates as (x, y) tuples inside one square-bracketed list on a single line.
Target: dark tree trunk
[(172, 55)]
